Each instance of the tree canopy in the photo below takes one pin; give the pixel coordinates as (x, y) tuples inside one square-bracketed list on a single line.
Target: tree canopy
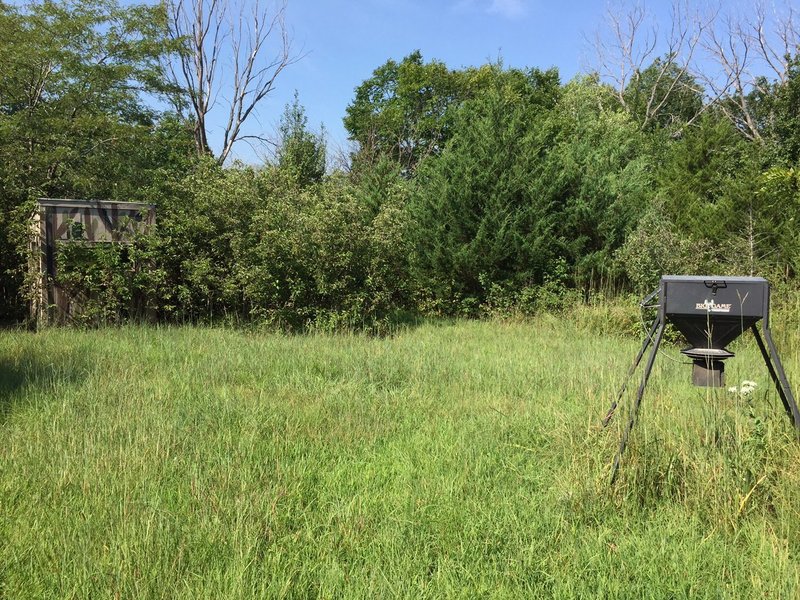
[(469, 188)]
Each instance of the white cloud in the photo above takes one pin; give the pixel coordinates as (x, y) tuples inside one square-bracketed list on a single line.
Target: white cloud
[(508, 8)]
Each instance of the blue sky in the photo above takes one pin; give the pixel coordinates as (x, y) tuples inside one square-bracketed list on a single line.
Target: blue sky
[(344, 41)]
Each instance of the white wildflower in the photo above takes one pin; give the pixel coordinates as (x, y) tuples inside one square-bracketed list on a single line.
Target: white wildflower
[(748, 387)]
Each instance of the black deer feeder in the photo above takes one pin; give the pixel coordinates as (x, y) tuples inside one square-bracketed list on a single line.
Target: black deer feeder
[(711, 312)]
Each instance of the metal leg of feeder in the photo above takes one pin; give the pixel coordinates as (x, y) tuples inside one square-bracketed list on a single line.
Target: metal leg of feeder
[(635, 409), (778, 375), (647, 341)]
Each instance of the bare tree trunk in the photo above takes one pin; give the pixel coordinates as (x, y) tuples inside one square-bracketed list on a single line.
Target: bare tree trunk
[(633, 43), (751, 52), (737, 55), (253, 47)]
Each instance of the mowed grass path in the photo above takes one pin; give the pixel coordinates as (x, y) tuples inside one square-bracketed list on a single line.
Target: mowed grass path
[(458, 460)]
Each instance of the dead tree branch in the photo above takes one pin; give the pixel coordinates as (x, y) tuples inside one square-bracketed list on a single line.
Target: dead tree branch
[(230, 57), (648, 68)]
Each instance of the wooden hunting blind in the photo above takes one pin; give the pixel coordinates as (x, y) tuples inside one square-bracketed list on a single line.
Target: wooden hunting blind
[(710, 312), (56, 222)]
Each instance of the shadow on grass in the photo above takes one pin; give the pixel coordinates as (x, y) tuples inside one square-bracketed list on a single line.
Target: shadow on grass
[(31, 369), (12, 380)]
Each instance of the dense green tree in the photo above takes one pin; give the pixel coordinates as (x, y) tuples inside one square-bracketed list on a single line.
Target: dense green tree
[(406, 110), (701, 175), (720, 191), (531, 184), (402, 111), (471, 189), (478, 222), (301, 152), (72, 104), (598, 172), (320, 255), (200, 225), (382, 183), (663, 95), (73, 120), (772, 238), (786, 124)]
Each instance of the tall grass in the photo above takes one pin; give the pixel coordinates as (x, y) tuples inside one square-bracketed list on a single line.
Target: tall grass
[(452, 460)]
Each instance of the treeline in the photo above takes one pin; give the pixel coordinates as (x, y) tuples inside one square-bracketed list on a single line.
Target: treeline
[(468, 190)]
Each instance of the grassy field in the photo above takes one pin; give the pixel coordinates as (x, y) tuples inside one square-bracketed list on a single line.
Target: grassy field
[(451, 460)]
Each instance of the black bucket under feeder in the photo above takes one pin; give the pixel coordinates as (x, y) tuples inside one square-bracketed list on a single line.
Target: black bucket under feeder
[(711, 312)]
